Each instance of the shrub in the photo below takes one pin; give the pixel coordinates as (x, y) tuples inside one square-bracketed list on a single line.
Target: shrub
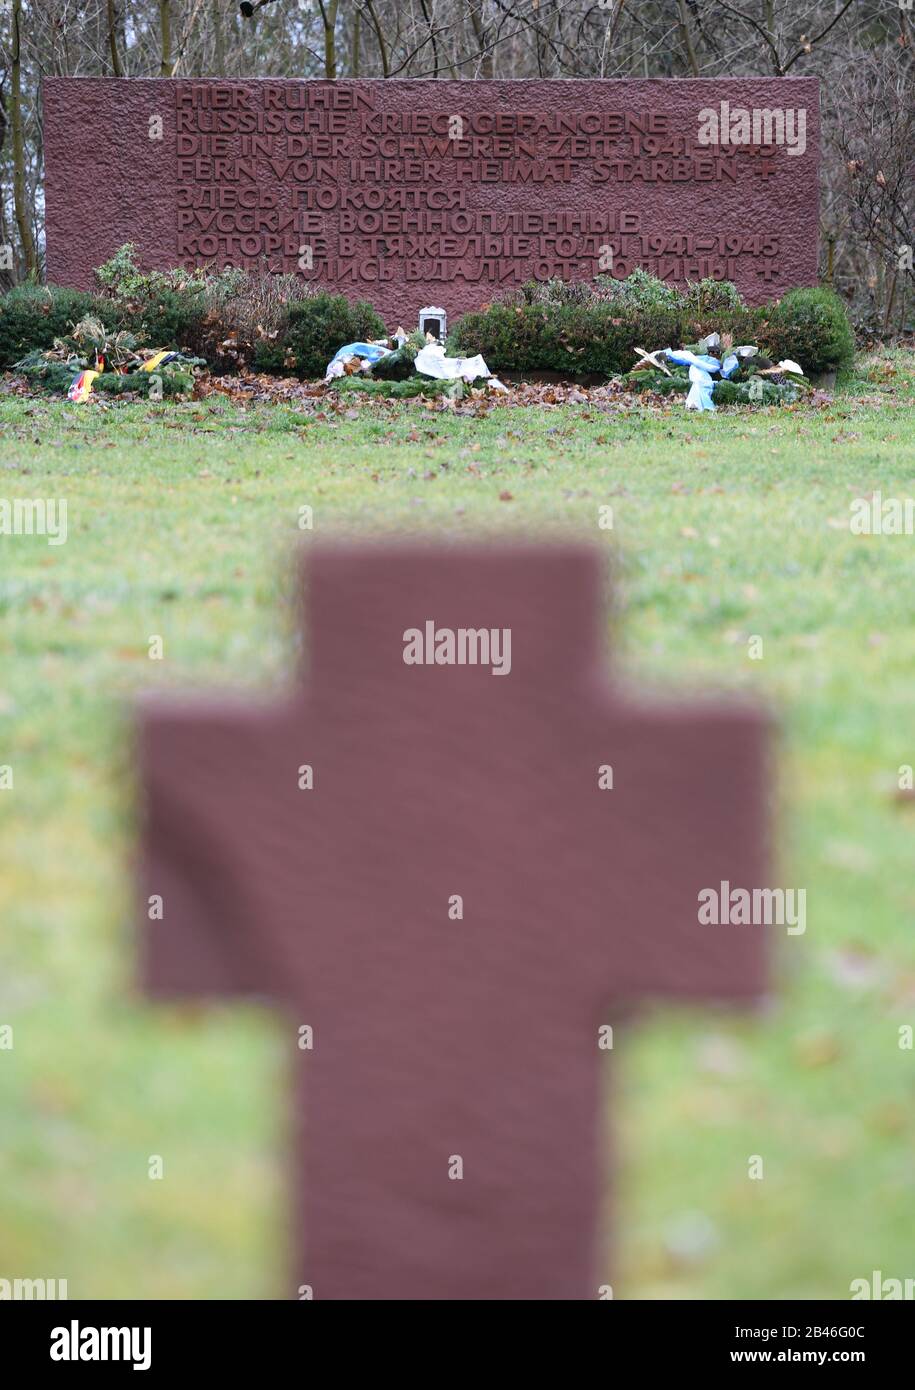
[(246, 318), (318, 326), (554, 294), (640, 290), (713, 298), (32, 316), (163, 308), (120, 278), (593, 327), (272, 358), (745, 325), (811, 326), (596, 336), (171, 318), (234, 317)]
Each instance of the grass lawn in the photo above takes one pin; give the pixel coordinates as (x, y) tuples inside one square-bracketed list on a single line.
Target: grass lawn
[(180, 520)]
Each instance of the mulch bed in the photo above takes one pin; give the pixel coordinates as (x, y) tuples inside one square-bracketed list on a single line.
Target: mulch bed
[(250, 388), (316, 399)]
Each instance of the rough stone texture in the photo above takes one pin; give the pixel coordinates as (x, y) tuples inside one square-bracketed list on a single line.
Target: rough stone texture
[(107, 182), (436, 1038)]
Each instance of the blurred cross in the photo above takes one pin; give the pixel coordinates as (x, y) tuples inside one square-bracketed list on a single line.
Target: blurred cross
[(455, 881)]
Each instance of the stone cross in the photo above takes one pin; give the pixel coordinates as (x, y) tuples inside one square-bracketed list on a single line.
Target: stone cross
[(455, 858)]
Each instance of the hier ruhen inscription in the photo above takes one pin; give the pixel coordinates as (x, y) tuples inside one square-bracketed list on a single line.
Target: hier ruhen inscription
[(458, 191)]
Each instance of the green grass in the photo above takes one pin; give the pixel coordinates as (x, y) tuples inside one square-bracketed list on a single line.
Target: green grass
[(181, 520)]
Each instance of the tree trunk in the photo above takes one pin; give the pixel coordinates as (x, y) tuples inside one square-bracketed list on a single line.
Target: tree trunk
[(479, 29), (328, 10), (165, 28), (687, 39), (379, 35), (354, 61), (20, 199), (219, 41), (6, 275), (116, 69)]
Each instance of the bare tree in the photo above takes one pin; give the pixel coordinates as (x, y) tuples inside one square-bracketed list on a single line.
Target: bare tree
[(23, 211)]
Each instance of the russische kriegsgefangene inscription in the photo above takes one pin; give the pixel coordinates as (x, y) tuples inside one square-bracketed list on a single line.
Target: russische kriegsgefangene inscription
[(408, 193)]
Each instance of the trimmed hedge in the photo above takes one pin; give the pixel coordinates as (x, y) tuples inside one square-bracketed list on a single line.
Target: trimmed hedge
[(278, 324), (576, 339), (183, 319), (32, 316), (595, 327)]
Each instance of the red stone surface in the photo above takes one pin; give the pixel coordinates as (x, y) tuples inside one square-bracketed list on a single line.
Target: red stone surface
[(107, 182), (435, 1038)]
